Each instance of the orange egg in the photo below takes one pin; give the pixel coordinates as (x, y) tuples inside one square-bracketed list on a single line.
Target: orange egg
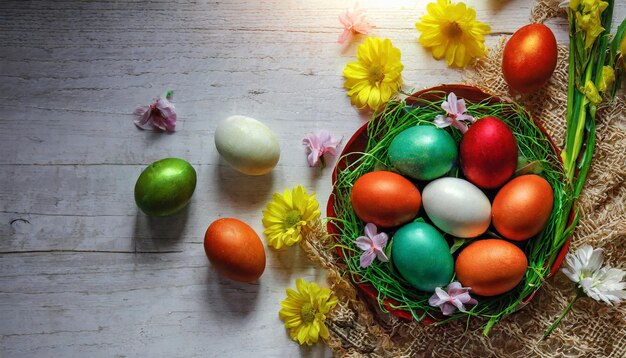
[(529, 58), (491, 267), (522, 207), (235, 250), (385, 199)]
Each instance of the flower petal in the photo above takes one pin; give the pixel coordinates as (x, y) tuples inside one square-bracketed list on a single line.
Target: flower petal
[(367, 258), (441, 121), (370, 230), (447, 309), (363, 243)]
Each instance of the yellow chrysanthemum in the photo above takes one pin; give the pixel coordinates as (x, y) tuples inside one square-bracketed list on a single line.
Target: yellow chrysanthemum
[(287, 214), (376, 76), (451, 30), (304, 311)]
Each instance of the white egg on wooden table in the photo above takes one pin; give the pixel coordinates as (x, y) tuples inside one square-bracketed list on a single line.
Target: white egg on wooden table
[(457, 207), (248, 145)]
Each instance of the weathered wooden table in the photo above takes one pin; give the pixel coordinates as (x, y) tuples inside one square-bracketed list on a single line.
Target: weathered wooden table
[(83, 273)]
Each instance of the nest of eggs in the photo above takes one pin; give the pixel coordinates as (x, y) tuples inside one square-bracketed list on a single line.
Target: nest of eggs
[(368, 151)]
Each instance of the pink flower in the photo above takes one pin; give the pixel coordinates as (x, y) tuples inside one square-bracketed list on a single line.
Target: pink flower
[(455, 114), (160, 114), (453, 299), (320, 144), (353, 22), (373, 243)]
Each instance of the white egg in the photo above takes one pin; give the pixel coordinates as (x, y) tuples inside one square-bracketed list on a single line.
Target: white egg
[(457, 207), (247, 145)]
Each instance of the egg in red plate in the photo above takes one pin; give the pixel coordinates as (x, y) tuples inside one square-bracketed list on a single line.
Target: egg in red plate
[(491, 267), (385, 199), (488, 153), (522, 207)]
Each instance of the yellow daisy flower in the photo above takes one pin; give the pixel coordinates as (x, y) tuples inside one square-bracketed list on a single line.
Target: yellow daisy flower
[(304, 311), (287, 215), (376, 76), (451, 30)]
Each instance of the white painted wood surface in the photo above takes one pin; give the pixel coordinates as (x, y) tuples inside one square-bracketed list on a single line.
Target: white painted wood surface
[(83, 273)]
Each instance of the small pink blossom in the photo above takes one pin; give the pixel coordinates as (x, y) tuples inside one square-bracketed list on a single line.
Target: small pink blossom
[(353, 21), (373, 244), (455, 114), (320, 144), (456, 297), (160, 114)]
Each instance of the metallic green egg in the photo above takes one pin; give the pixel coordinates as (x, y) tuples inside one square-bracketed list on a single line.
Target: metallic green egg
[(423, 152), (421, 255), (165, 187)]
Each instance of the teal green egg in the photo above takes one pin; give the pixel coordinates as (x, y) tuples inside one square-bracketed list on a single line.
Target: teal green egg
[(423, 152), (165, 187), (421, 256)]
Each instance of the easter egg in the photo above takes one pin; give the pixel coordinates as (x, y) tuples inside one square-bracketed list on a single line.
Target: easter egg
[(423, 152), (488, 153), (165, 187), (529, 58), (491, 267), (457, 207), (422, 256), (235, 250), (385, 199), (522, 207), (248, 145)]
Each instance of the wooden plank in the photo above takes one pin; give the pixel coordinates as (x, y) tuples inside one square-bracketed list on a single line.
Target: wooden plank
[(166, 305)]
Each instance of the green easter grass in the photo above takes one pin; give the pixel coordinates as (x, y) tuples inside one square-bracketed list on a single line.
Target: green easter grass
[(541, 250)]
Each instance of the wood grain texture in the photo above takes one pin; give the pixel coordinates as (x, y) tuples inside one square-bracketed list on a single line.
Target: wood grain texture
[(83, 273)]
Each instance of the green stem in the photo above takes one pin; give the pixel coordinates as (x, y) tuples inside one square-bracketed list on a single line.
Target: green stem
[(565, 311)]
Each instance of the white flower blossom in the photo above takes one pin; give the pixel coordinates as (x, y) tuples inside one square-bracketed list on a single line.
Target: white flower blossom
[(600, 283)]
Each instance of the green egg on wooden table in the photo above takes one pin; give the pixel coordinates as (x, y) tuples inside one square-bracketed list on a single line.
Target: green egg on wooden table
[(165, 187), (423, 152), (422, 256)]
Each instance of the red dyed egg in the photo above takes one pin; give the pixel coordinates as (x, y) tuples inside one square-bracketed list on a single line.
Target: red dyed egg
[(385, 199), (529, 58), (488, 153)]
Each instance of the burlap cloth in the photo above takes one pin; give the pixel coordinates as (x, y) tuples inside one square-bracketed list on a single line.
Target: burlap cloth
[(591, 329)]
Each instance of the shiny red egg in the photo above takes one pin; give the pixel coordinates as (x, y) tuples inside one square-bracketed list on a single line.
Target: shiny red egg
[(529, 58), (488, 153)]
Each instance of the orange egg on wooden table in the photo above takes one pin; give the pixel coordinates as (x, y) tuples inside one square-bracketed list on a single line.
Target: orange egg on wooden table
[(522, 207), (491, 267), (235, 250)]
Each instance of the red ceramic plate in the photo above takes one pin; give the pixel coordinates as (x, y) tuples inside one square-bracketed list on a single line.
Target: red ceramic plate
[(358, 142)]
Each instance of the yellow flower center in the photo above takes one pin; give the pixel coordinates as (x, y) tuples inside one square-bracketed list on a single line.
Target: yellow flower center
[(292, 218), (452, 30), (376, 73), (307, 313)]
